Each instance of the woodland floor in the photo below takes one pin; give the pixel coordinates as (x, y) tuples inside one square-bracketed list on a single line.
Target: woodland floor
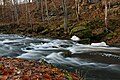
[(89, 28), (19, 69)]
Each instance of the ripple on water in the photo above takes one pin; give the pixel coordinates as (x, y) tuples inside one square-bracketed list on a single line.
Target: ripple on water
[(98, 61)]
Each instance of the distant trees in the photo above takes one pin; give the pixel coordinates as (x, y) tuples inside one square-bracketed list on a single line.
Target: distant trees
[(42, 8)]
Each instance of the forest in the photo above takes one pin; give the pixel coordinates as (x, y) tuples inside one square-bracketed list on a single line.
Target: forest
[(91, 20)]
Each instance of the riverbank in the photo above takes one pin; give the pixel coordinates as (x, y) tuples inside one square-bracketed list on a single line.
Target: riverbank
[(20, 69), (89, 27)]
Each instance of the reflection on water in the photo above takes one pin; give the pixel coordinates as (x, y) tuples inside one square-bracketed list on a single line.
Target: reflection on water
[(98, 63)]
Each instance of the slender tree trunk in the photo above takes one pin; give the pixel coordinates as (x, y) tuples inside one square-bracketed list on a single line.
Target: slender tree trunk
[(37, 3), (78, 9), (2, 11), (4, 2), (12, 12), (16, 11), (77, 4), (106, 15), (26, 11), (29, 1), (29, 16), (13, 16), (65, 15), (109, 5), (47, 10), (42, 12)]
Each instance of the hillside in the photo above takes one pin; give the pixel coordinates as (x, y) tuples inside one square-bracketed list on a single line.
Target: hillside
[(90, 26)]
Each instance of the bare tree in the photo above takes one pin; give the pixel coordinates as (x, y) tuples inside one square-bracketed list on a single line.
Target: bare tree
[(3, 7), (106, 15), (47, 10), (77, 4), (42, 12), (26, 11), (29, 15), (64, 2), (37, 4), (15, 3)]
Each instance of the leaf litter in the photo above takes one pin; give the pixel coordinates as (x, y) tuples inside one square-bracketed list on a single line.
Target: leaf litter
[(20, 69)]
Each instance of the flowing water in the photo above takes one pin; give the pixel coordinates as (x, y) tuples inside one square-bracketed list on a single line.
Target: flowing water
[(93, 63)]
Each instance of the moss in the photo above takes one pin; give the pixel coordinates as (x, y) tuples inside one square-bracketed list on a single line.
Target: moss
[(95, 24), (77, 29), (110, 35), (113, 24), (68, 76), (85, 41), (87, 33)]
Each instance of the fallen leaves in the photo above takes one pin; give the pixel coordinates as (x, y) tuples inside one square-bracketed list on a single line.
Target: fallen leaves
[(20, 69)]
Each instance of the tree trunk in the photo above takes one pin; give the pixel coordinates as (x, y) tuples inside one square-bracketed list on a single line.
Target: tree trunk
[(65, 15), (77, 4), (2, 11), (47, 10), (16, 10), (29, 16), (106, 15), (37, 4), (4, 2), (42, 12), (26, 11)]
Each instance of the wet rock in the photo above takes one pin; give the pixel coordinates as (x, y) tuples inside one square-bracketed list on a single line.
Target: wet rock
[(85, 41), (115, 45), (77, 29), (67, 54)]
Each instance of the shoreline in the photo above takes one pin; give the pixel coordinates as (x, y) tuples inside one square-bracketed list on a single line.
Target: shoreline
[(15, 68)]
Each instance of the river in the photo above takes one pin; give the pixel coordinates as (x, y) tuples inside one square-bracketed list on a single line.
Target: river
[(93, 63)]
